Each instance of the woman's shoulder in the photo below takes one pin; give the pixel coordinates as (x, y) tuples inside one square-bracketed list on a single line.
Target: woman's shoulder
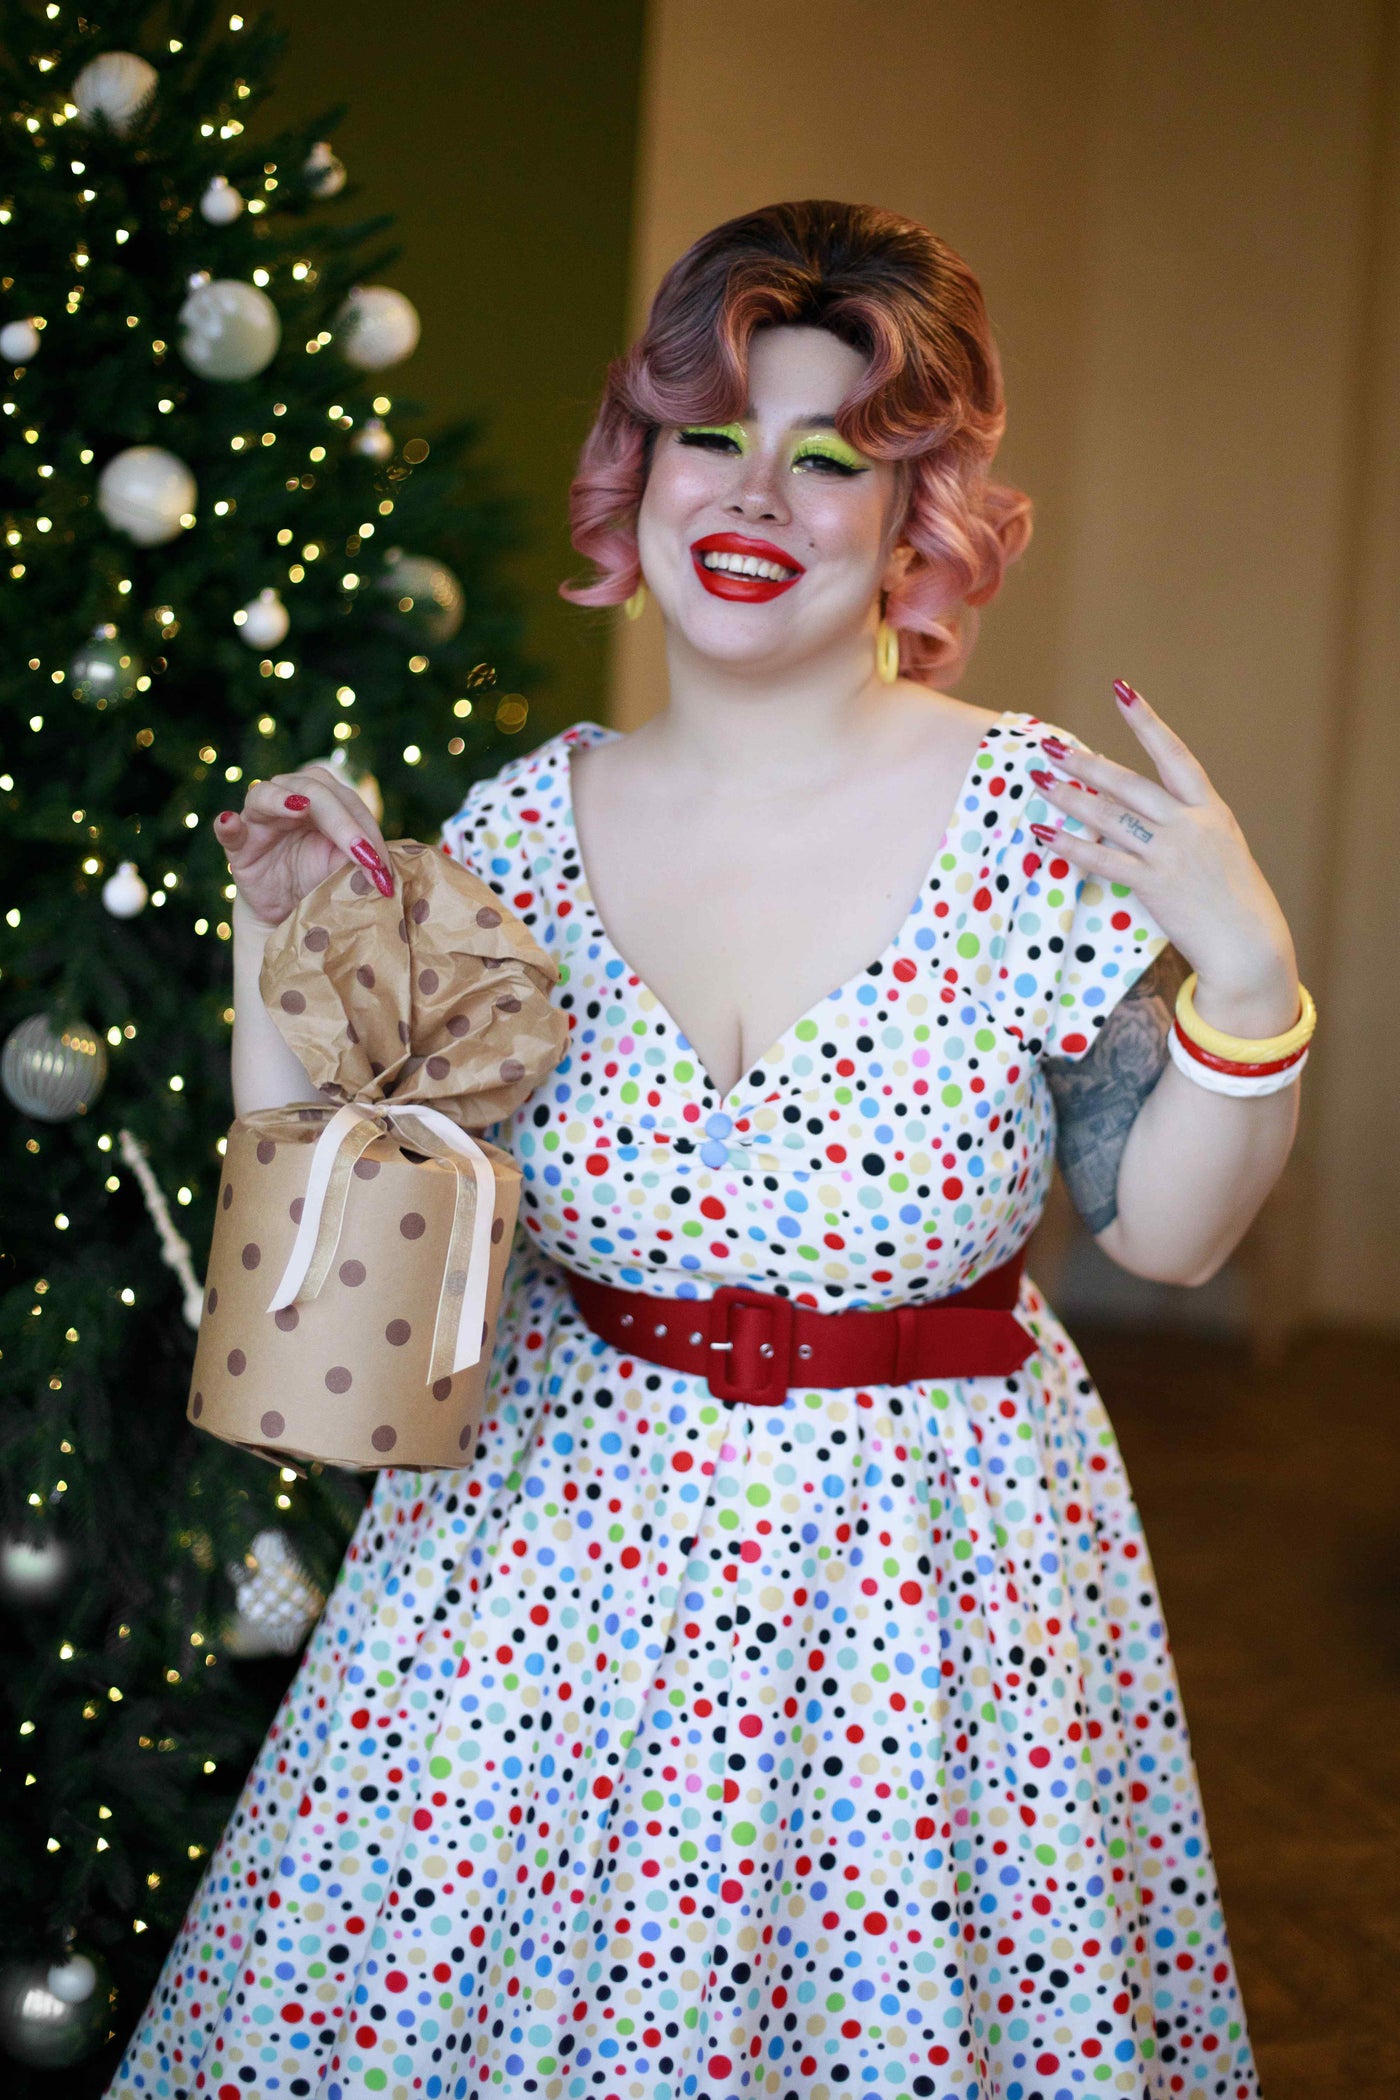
[(1019, 734), (530, 791)]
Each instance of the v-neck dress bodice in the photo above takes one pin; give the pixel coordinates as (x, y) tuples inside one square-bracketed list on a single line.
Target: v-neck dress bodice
[(679, 1750), (896, 1140)]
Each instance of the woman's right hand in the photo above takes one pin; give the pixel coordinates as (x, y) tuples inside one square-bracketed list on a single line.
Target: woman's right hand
[(293, 831)]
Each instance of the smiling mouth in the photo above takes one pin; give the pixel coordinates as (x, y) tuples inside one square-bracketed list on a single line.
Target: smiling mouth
[(748, 565), (730, 565)]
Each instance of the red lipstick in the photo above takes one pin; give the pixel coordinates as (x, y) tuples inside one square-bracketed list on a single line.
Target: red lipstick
[(746, 590)]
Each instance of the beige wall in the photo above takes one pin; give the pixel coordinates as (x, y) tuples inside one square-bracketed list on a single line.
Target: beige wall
[(1184, 222)]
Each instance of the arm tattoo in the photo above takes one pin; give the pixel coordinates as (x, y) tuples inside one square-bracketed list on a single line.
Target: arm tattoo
[(1098, 1095)]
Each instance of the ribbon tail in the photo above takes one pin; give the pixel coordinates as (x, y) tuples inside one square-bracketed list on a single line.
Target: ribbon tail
[(340, 1144), (468, 1271)]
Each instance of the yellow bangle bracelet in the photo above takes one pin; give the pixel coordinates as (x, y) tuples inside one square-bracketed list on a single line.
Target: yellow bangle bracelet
[(1244, 1049)]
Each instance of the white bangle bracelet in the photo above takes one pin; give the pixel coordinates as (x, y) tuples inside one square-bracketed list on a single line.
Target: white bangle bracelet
[(1239, 1084)]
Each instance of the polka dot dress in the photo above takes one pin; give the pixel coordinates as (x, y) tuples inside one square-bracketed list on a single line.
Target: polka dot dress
[(674, 1747)]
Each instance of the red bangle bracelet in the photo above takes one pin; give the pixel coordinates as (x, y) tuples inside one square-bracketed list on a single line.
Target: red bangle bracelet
[(1227, 1064)]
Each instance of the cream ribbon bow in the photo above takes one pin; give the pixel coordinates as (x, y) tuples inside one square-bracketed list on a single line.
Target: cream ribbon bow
[(466, 1275)]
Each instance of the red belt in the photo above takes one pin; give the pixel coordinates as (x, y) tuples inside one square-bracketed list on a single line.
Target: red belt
[(751, 1345)]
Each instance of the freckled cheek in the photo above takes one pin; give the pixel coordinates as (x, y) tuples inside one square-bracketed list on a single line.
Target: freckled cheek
[(837, 523), (678, 494)]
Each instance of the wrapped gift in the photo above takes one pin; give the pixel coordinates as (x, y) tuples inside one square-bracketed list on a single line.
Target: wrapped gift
[(360, 1244)]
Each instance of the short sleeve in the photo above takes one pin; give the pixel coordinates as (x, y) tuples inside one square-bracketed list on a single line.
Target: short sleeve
[(470, 837), (1074, 944), (1109, 939)]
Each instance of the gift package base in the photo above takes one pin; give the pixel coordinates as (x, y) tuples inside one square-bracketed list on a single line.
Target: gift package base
[(341, 1377)]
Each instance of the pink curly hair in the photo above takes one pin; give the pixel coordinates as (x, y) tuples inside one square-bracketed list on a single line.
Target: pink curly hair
[(931, 400)]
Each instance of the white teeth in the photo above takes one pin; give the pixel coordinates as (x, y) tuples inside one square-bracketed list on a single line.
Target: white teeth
[(747, 565)]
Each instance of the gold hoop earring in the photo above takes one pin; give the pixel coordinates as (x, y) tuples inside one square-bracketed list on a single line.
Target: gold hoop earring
[(636, 604), (886, 653)]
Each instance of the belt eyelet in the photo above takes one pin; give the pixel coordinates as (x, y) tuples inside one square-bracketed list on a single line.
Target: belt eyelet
[(659, 1329), (696, 1338), (626, 1320), (804, 1349)]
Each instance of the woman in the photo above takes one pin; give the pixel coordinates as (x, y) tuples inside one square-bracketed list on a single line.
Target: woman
[(800, 1717)]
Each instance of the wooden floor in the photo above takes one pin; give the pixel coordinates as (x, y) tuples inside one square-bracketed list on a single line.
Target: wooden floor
[(1271, 1503)]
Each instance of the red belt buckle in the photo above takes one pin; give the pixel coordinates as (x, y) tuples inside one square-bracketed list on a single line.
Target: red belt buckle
[(772, 1345)]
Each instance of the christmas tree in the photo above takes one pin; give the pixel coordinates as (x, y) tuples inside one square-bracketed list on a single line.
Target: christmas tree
[(223, 559)]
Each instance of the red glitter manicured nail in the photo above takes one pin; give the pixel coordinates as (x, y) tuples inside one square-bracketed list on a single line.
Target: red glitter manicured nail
[(1125, 692), (1055, 746), (1045, 780), (1043, 832), (368, 858), (226, 816), (298, 802)]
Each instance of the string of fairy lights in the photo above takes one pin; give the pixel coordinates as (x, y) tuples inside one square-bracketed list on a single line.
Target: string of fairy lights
[(27, 539)]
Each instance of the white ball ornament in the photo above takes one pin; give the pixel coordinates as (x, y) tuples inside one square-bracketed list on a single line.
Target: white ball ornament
[(53, 2014), (147, 493), (116, 85), (19, 341), (124, 893), (230, 330), (324, 170), (374, 440), (33, 1571), (376, 327), (221, 202), (74, 1980), (263, 621)]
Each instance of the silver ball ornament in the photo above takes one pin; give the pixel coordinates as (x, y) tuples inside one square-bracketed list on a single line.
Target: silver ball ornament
[(124, 894), (324, 170), (116, 85), (147, 493), (19, 341), (221, 202), (53, 1073), (373, 440), (229, 330), (426, 591), (377, 326), (104, 671), (277, 1602), (53, 2014), (263, 622), (34, 1571)]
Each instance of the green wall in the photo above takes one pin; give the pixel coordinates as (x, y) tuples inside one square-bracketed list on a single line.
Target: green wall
[(503, 138)]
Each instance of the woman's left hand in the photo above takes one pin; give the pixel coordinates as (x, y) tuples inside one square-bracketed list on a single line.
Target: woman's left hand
[(1179, 848)]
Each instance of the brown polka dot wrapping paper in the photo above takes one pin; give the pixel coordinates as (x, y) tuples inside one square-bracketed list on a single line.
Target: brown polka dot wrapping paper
[(360, 1243)]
